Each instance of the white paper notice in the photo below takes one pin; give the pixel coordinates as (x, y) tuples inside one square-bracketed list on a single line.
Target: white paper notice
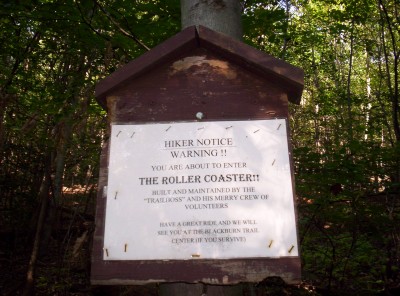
[(208, 190)]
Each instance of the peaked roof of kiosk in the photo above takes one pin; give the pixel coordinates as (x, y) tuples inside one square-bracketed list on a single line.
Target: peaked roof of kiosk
[(266, 66)]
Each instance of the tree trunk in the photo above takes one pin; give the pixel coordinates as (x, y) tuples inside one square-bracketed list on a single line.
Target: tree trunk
[(223, 16), (44, 196)]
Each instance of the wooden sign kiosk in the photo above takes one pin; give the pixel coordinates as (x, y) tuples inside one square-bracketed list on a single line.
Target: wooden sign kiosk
[(182, 117)]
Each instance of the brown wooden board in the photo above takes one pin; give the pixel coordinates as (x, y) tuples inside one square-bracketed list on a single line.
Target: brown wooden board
[(197, 70), (171, 94), (263, 65)]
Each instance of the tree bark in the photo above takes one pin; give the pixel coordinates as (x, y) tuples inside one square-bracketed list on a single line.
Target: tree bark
[(44, 196), (223, 16)]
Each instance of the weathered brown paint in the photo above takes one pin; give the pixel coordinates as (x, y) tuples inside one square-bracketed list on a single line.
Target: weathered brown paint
[(197, 70), (171, 93), (264, 66)]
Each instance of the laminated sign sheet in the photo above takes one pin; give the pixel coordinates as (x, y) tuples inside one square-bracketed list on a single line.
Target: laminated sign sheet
[(207, 190)]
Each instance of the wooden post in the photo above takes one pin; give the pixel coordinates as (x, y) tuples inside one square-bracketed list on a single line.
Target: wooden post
[(223, 16)]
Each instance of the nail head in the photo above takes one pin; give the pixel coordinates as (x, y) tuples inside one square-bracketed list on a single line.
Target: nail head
[(199, 115)]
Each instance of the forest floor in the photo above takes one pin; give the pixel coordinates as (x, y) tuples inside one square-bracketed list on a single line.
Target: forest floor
[(61, 271), (63, 266), (67, 273)]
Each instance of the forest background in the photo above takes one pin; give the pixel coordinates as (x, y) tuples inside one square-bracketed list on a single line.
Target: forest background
[(345, 133)]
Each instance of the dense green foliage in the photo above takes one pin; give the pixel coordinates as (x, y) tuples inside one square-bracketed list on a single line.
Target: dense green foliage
[(345, 133)]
